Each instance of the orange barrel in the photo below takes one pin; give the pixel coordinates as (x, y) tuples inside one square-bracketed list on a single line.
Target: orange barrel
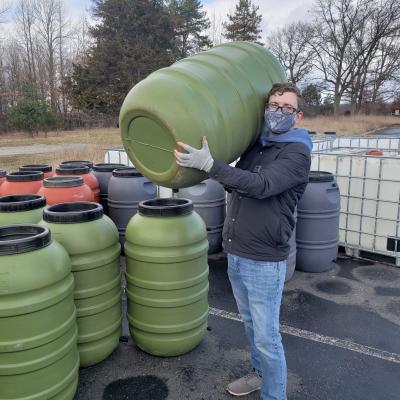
[(2, 176), (78, 162), (47, 169), (65, 189), (22, 182), (374, 153), (83, 171)]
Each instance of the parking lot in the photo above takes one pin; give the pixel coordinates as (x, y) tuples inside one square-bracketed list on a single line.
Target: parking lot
[(341, 333)]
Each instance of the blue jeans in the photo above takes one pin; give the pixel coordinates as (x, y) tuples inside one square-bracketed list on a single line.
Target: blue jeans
[(257, 287)]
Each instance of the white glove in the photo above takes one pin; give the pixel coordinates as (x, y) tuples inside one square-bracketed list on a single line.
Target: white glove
[(195, 158)]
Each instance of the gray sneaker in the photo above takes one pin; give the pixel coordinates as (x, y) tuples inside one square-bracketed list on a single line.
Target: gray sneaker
[(246, 385)]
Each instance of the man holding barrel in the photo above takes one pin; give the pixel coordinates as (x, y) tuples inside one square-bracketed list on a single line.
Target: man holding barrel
[(265, 185)]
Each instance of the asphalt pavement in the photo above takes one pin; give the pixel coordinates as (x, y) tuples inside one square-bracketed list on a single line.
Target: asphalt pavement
[(391, 131), (341, 333)]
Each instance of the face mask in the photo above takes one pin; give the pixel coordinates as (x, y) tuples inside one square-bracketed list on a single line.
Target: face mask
[(277, 122)]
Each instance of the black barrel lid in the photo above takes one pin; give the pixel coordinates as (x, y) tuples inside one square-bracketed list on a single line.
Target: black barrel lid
[(25, 176), (2, 173), (37, 167), (73, 213), (67, 169), (78, 162), (321, 176), (107, 167), (126, 172), (16, 239), (168, 207), (63, 181), (21, 202)]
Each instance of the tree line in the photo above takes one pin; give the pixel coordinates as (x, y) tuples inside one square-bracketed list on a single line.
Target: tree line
[(52, 67)]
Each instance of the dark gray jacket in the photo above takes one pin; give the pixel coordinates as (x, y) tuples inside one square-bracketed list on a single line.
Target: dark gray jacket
[(265, 186)]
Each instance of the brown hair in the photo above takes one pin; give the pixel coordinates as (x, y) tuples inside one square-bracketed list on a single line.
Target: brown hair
[(283, 87)]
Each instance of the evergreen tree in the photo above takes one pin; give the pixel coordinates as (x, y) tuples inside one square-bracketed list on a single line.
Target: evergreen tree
[(190, 23), (311, 95), (132, 38), (31, 112), (244, 24)]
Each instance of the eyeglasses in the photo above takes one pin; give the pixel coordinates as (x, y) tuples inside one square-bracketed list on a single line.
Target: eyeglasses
[(287, 110)]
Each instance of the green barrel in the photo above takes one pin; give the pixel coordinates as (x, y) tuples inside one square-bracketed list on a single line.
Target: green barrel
[(39, 357), (91, 239), (167, 277), (219, 93), (21, 209)]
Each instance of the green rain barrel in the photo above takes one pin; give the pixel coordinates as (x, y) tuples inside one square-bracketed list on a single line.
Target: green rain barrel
[(219, 93), (167, 277), (38, 335), (91, 240), (21, 209)]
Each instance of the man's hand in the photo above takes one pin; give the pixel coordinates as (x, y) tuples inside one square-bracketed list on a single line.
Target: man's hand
[(195, 158)]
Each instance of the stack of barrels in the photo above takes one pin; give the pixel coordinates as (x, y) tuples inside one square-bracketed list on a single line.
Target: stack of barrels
[(60, 280)]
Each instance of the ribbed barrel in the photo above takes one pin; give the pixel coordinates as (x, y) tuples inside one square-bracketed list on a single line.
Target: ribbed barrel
[(208, 198), (103, 173), (91, 240), (47, 169), (317, 233), (38, 352), (167, 277), (126, 189), (63, 189), (22, 182), (21, 209), (85, 172), (219, 93)]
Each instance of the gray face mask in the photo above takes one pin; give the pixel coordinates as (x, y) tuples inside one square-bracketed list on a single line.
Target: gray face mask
[(278, 122)]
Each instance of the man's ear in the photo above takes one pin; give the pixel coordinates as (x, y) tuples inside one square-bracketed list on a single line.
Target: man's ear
[(299, 116)]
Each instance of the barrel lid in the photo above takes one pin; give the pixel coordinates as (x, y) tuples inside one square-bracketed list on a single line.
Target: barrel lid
[(25, 176), (21, 202), (63, 181), (16, 239), (2, 173), (73, 213), (37, 167), (69, 169), (321, 176), (126, 172), (168, 207), (107, 167), (78, 162)]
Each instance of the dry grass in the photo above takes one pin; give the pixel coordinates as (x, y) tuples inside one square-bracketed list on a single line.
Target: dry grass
[(93, 153), (355, 125), (100, 136), (100, 139), (96, 139)]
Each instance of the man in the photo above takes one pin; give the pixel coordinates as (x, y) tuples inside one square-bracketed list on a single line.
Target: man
[(266, 185)]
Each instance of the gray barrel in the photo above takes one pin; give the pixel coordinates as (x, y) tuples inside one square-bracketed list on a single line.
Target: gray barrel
[(291, 260), (208, 198), (317, 234), (126, 188), (103, 173)]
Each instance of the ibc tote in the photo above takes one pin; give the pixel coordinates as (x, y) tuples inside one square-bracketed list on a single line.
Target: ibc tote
[(219, 93)]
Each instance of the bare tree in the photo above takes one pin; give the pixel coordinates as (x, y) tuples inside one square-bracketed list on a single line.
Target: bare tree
[(25, 20), (337, 23), (291, 45), (51, 29), (375, 48)]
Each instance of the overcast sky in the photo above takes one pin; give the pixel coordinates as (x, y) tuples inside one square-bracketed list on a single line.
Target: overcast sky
[(275, 13)]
